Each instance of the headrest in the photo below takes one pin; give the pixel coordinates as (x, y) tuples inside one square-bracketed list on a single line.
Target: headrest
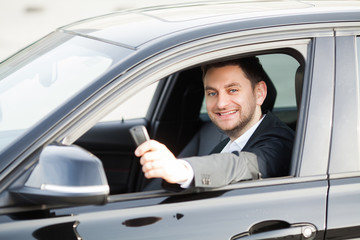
[(269, 101)]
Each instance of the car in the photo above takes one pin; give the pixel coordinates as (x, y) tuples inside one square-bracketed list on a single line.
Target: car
[(67, 102)]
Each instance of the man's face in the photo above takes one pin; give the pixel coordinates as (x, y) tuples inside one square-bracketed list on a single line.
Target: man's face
[(232, 103)]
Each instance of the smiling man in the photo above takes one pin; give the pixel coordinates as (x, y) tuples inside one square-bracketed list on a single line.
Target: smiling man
[(233, 102), (259, 144)]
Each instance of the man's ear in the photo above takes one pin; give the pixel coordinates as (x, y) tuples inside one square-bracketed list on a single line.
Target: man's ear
[(260, 92)]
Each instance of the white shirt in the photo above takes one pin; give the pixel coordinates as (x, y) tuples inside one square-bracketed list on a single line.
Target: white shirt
[(236, 145)]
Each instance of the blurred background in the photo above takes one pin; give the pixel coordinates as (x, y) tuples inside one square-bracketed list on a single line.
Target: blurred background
[(24, 21)]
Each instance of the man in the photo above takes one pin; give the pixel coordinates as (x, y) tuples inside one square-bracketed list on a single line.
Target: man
[(260, 145)]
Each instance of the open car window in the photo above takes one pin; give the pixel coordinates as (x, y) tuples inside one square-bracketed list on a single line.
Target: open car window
[(136, 106), (176, 118)]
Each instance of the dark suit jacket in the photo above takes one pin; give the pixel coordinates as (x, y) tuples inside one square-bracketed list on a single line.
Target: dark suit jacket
[(266, 154)]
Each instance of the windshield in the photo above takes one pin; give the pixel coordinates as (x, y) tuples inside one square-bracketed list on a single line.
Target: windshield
[(38, 80)]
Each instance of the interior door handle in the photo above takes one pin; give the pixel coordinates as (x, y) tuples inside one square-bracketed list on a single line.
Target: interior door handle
[(278, 230)]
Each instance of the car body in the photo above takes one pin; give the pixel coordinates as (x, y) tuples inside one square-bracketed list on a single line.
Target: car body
[(57, 93)]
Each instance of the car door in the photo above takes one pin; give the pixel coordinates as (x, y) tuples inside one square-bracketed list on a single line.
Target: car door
[(344, 171), (286, 208)]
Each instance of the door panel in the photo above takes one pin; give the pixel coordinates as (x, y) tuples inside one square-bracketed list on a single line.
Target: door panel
[(222, 214), (218, 217), (344, 209)]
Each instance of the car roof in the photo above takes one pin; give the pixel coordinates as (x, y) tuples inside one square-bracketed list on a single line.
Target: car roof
[(135, 27)]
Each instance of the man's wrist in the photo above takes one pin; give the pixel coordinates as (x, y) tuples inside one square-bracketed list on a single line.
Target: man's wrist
[(190, 175)]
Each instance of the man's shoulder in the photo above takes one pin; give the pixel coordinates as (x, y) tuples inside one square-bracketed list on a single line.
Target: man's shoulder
[(272, 121), (272, 124)]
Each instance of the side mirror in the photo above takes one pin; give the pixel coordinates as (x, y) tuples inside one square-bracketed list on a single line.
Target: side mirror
[(65, 175)]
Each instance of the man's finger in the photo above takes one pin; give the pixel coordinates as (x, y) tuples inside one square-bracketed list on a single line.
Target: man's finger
[(150, 157), (148, 146), (154, 173)]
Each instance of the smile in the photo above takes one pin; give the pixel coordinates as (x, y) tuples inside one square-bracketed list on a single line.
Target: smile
[(227, 113)]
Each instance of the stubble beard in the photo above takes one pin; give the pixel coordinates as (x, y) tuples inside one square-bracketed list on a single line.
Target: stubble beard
[(241, 125)]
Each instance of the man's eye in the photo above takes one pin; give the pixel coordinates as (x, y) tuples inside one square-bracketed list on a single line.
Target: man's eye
[(233, 90), (211, 94)]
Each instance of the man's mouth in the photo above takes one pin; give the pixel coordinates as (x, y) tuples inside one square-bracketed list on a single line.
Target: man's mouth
[(226, 113)]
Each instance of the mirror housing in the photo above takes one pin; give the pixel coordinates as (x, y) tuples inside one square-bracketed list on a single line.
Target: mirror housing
[(65, 175)]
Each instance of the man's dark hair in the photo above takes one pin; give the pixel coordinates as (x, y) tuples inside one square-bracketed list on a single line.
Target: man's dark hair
[(251, 66)]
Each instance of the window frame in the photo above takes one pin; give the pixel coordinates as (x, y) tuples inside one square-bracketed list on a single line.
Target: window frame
[(345, 144), (267, 48)]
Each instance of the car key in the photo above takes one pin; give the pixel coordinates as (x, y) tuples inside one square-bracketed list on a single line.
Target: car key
[(139, 134)]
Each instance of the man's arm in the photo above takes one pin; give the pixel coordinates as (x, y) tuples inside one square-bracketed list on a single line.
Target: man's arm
[(267, 153), (208, 171), (221, 169)]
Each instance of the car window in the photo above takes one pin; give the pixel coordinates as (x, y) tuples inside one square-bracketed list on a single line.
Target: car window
[(175, 120), (281, 69), (57, 73), (135, 107)]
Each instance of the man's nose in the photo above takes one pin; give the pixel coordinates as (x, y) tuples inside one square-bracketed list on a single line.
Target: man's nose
[(222, 100)]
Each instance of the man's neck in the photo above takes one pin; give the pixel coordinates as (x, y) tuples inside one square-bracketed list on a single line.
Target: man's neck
[(254, 121)]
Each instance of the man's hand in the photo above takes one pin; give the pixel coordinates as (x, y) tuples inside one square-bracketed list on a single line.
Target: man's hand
[(158, 162)]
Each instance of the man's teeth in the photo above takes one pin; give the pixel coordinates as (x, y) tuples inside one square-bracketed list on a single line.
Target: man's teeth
[(227, 113)]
